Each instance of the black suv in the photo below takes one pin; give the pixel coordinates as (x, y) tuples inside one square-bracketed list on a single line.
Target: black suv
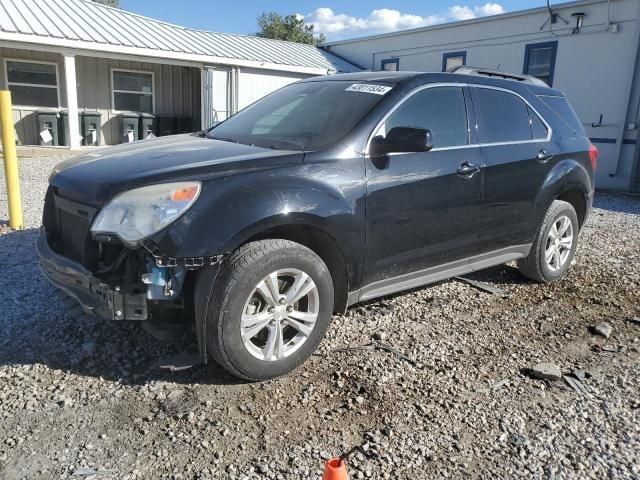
[(325, 193)]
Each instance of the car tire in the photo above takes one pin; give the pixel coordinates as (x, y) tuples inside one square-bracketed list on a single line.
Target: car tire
[(245, 296), (551, 253)]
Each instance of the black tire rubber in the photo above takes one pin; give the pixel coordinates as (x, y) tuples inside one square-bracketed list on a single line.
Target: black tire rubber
[(239, 274), (533, 266)]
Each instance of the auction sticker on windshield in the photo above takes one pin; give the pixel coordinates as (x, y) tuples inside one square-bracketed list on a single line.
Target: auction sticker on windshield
[(368, 88)]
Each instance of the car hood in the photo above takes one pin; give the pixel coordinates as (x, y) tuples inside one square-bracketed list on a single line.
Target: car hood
[(95, 177)]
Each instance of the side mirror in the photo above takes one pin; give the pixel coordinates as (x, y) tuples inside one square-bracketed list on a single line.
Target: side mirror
[(402, 140)]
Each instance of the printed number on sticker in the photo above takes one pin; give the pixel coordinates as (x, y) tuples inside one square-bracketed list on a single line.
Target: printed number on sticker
[(368, 88)]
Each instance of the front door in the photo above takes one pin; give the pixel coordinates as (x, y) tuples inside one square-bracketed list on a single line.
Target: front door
[(423, 209)]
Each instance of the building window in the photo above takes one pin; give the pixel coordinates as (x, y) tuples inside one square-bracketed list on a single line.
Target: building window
[(452, 60), (540, 60), (390, 65), (33, 84), (132, 91)]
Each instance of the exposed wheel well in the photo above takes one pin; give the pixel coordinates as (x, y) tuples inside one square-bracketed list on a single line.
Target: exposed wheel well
[(325, 246), (578, 202)]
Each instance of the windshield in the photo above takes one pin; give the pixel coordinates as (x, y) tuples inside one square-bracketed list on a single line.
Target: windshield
[(302, 116)]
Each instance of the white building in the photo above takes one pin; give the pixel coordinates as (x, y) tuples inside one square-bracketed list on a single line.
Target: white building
[(78, 56), (593, 58)]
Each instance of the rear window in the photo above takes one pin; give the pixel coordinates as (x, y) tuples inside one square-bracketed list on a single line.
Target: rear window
[(561, 107)]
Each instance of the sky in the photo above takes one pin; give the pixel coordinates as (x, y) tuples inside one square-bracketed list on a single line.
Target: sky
[(337, 20)]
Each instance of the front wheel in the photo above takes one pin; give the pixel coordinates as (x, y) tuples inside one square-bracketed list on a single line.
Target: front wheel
[(270, 307), (554, 246)]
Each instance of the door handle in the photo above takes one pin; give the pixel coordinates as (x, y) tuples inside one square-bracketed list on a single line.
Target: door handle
[(468, 170), (544, 156)]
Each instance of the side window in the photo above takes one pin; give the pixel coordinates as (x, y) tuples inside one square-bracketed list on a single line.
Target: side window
[(441, 110), (504, 117), (538, 128)]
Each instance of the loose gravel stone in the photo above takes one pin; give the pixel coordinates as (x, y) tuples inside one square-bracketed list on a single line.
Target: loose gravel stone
[(603, 329), (546, 371), (438, 417)]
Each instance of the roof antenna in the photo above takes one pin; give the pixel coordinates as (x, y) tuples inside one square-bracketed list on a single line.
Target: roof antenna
[(553, 17)]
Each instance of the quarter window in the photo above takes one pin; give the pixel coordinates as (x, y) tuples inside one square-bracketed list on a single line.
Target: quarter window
[(504, 116), (538, 128), (33, 84), (540, 60), (132, 91), (563, 109), (441, 110)]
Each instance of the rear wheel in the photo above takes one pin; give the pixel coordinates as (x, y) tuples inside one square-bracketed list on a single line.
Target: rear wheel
[(554, 246), (270, 307)]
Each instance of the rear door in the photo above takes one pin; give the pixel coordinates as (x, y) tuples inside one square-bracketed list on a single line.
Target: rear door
[(518, 155), (423, 209)]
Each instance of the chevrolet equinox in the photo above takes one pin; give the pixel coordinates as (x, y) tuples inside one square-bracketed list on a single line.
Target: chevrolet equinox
[(328, 192)]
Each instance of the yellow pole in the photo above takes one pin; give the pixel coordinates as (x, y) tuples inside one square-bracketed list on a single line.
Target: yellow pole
[(10, 161)]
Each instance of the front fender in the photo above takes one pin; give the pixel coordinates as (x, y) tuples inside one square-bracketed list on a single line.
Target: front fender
[(233, 209)]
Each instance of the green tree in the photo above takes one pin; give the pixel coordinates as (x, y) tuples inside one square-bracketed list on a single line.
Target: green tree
[(111, 3), (288, 27)]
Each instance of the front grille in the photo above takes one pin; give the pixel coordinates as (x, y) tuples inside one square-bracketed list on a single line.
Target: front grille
[(67, 227), (50, 221), (74, 231)]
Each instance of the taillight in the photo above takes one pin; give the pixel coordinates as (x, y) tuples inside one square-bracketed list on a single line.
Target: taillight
[(593, 156)]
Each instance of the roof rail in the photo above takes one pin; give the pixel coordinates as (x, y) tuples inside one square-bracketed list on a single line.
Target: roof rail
[(466, 70)]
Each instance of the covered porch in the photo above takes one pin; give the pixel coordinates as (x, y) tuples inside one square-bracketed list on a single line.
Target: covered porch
[(105, 89)]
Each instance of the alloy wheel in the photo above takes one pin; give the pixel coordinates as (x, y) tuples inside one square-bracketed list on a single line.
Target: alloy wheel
[(280, 314), (559, 243)]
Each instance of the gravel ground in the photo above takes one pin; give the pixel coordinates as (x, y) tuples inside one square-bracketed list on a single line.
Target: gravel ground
[(78, 397)]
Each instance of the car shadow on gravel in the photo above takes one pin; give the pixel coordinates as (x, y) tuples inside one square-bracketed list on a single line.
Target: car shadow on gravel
[(35, 328), (617, 203), (500, 275)]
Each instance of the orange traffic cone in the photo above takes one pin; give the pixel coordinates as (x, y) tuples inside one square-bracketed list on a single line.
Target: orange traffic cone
[(335, 469)]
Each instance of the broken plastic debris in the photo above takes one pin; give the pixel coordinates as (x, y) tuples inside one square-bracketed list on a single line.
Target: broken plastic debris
[(86, 471), (485, 287), (377, 346)]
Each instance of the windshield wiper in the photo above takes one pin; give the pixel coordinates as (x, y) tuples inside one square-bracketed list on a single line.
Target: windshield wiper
[(280, 144), (224, 139)]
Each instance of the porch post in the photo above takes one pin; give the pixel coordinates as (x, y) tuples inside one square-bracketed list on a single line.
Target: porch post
[(72, 100)]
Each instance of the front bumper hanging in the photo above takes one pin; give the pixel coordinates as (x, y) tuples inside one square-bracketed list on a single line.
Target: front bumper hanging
[(112, 302)]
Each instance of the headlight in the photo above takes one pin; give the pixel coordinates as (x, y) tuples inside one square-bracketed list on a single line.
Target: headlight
[(138, 213)]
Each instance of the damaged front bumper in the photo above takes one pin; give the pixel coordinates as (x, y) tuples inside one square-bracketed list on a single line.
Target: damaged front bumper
[(112, 302)]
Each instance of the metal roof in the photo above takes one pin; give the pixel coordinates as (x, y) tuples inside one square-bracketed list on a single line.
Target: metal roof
[(89, 25)]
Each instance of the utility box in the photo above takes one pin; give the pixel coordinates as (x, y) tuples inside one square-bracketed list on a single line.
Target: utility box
[(48, 129), (91, 127), (129, 127), (63, 127), (183, 124), (147, 126), (166, 125)]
